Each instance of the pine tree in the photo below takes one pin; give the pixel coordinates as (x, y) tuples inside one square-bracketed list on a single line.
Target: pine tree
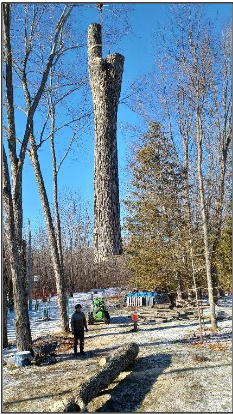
[(224, 257), (156, 249)]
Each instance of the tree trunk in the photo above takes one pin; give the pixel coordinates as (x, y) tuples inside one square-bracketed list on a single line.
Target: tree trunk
[(118, 362), (180, 287), (13, 201), (12, 191), (218, 223), (59, 276), (17, 264), (105, 80), (29, 267), (55, 190), (204, 222), (4, 310)]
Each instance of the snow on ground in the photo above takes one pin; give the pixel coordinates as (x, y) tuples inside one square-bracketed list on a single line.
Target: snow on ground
[(174, 372), (181, 329), (40, 327)]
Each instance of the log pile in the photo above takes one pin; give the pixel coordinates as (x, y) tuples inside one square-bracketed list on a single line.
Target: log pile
[(167, 314), (119, 361)]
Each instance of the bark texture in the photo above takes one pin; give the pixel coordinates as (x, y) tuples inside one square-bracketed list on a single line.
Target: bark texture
[(12, 197), (105, 81), (119, 361), (17, 265), (205, 223), (58, 271), (4, 304), (12, 188), (29, 267)]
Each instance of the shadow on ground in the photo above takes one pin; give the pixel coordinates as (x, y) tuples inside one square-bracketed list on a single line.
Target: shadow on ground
[(128, 395), (59, 394), (157, 328)]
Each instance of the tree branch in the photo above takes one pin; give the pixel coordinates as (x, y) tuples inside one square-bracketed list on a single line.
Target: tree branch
[(9, 87), (64, 16)]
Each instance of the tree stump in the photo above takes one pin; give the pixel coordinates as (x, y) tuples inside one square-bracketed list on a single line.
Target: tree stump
[(122, 358), (105, 81)]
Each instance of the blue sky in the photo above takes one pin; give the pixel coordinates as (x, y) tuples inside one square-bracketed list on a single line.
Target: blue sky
[(138, 49)]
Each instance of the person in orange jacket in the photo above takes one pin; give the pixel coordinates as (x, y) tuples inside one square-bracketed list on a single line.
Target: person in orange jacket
[(134, 318)]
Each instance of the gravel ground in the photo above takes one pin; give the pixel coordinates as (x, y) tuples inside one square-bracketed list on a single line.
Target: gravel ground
[(173, 371)]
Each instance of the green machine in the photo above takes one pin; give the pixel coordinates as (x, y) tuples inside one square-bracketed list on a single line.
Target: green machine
[(99, 313)]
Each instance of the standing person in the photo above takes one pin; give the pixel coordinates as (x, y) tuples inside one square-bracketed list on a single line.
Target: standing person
[(134, 318), (78, 323)]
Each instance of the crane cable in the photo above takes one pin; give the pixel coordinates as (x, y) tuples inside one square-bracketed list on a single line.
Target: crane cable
[(101, 20)]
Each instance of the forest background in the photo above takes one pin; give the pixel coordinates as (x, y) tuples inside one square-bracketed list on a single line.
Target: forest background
[(156, 131)]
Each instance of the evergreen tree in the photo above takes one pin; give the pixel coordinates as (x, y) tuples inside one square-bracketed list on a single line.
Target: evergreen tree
[(156, 248), (224, 257)]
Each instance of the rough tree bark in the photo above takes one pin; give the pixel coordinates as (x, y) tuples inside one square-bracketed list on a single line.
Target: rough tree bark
[(52, 116), (204, 221), (16, 255), (12, 189), (58, 271), (122, 358), (105, 80), (29, 267), (12, 196), (4, 304)]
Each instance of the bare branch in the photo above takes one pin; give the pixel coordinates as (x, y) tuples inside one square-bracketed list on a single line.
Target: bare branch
[(72, 139), (9, 86), (63, 126), (65, 14)]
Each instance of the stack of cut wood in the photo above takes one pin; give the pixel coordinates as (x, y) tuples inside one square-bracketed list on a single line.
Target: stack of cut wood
[(167, 314)]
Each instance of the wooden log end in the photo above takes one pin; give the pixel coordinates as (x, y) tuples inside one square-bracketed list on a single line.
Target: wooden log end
[(75, 406), (102, 361)]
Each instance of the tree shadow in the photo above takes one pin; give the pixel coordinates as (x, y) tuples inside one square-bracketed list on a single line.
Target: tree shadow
[(140, 329), (112, 333), (216, 338), (37, 397), (120, 319), (61, 357), (128, 395), (196, 368), (91, 353)]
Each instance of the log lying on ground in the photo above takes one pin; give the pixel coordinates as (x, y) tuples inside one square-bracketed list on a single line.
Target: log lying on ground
[(161, 306), (122, 358)]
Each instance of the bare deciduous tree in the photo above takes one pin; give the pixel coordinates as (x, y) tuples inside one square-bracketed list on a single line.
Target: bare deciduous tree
[(4, 304), (12, 186), (190, 95)]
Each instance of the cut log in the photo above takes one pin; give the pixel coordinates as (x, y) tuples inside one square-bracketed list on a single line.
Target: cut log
[(162, 305), (102, 361), (122, 358)]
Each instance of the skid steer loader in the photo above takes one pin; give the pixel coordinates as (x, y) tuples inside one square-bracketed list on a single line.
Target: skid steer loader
[(99, 313)]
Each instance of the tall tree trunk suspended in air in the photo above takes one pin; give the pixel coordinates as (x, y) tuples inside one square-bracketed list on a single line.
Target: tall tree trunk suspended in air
[(105, 80)]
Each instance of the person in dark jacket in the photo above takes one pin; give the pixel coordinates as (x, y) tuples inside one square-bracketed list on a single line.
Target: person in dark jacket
[(78, 323)]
